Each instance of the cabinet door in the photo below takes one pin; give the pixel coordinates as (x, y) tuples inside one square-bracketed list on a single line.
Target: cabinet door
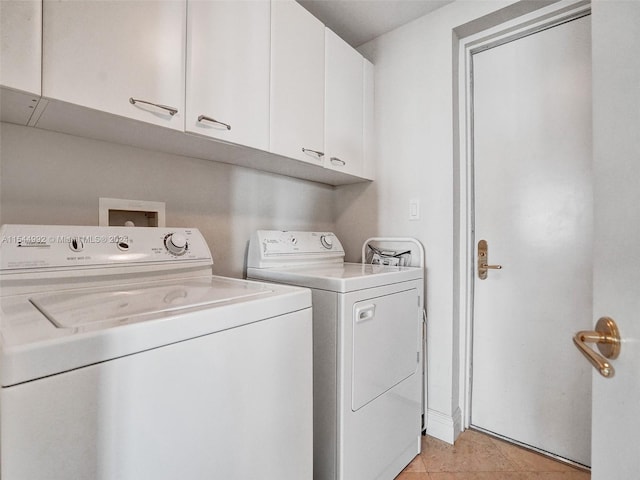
[(228, 71), (21, 44), (343, 120), (368, 168), (20, 59), (297, 82), (103, 54)]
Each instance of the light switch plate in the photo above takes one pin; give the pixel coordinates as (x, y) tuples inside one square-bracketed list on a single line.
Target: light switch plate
[(414, 209)]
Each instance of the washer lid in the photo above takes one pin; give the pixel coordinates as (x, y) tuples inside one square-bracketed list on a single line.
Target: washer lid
[(106, 307), (338, 277), (49, 333)]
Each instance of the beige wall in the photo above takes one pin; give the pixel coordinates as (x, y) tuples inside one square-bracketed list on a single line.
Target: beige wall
[(52, 178)]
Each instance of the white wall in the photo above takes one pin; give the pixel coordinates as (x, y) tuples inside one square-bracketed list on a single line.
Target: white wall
[(52, 178), (414, 146)]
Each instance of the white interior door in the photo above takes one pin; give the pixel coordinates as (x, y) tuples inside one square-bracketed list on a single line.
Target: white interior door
[(616, 121), (533, 205)]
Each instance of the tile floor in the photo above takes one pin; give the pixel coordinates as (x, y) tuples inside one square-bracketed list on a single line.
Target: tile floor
[(477, 456)]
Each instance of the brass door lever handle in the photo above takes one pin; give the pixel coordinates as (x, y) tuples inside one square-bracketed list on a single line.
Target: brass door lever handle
[(607, 337), (483, 266), (492, 267)]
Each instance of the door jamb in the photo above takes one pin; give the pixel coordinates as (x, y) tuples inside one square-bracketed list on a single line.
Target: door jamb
[(506, 31)]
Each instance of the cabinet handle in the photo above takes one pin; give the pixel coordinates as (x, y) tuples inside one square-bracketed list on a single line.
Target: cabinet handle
[(209, 119), (172, 111), (338, 161), (315, 152)]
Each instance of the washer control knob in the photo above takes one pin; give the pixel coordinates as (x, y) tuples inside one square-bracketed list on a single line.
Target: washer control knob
[(176, 243), (76, 244), (326, 241)]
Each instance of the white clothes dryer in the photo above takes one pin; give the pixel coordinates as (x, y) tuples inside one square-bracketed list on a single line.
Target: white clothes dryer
[(367, 346), (123, 357)]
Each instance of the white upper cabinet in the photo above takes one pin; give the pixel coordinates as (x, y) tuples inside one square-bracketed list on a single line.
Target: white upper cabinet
[(368, 168), (344, 99), (228, 50), (297, 83), (122, 57), (21, 44), (20, 58), (245, 73)]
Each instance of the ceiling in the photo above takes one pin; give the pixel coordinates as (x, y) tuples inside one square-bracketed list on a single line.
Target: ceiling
[(358, 21)]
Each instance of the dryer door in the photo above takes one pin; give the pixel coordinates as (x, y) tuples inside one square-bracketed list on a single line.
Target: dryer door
[(384, 344)]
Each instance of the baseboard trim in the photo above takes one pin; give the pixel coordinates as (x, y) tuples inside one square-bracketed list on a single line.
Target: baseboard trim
[(444, 427)]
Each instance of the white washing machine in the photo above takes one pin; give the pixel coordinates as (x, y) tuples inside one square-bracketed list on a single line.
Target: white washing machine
[(367, 331), (122, 357)]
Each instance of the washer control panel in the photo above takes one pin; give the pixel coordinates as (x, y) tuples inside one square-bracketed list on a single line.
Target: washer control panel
[(29, 247), (278, 247)]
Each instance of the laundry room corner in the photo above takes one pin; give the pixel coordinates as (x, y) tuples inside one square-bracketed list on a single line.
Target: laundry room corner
[(52, 178), (415, 161)]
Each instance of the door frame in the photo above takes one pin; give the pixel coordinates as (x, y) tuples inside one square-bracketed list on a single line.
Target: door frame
[(517, 25)]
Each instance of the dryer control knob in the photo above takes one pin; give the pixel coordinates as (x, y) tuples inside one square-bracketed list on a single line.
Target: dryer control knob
[(176, 243), (326, 241), (76, 244)]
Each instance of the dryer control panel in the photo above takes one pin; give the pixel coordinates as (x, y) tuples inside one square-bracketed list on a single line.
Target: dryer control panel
[(271, 248), (44, 247)]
